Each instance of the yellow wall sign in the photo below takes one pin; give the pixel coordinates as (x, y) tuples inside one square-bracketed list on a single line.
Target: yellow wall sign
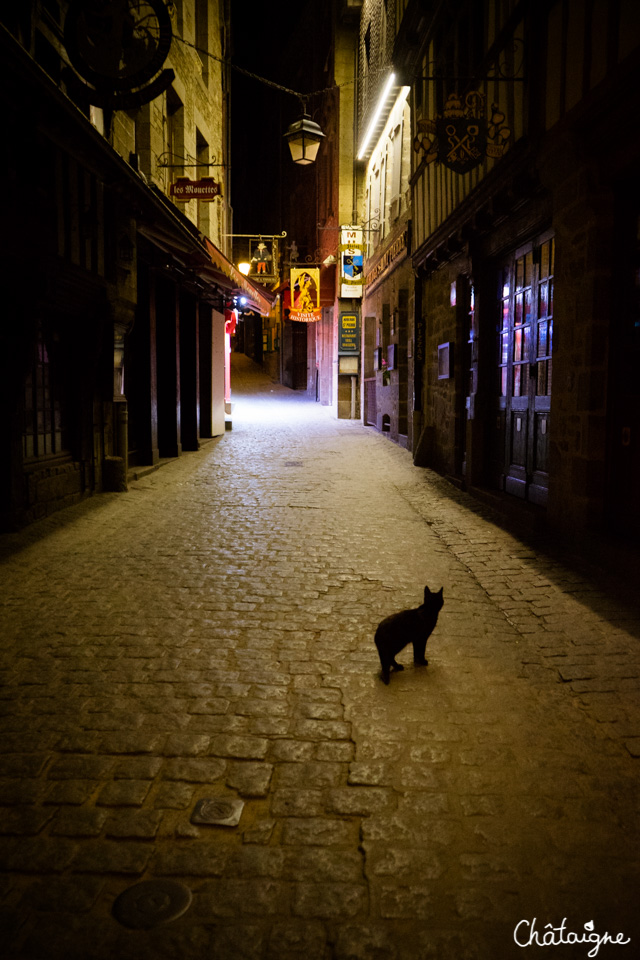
[(305, 295)]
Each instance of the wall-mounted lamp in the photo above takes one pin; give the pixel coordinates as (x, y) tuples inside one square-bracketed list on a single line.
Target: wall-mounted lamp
[(304, 138), (244, 269)]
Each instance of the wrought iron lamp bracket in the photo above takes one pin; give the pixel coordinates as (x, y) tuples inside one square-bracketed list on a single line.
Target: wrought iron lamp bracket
[(163, 163)]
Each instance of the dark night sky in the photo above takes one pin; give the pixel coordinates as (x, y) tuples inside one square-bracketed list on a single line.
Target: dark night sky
[(260, 164)]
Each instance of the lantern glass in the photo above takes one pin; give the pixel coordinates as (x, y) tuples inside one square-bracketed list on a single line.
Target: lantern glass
[(304, 138)]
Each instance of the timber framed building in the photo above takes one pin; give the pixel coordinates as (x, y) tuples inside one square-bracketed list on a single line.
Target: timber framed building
[(527, 302)]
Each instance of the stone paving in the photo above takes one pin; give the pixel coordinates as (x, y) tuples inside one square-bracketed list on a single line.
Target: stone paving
[(209, 635)]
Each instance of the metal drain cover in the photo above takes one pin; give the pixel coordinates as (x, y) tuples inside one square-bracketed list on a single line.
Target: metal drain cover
[(218, 812), (151, 903)]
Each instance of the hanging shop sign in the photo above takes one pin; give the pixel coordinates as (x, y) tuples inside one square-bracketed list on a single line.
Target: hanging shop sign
[(351, 261), (262, 260), (258, 254), (206, 189), (305, 295), (117, 51), (463, 136), (349, 334)]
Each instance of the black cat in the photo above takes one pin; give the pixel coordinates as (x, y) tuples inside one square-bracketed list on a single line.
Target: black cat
[(408, 626)]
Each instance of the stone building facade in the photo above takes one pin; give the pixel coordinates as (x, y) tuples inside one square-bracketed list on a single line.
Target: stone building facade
[(320, 199), (112, 349), (526, 293), (384, 158)]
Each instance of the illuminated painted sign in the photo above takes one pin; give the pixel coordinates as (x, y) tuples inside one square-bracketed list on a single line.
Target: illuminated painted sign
[(349, 333), (351, 261), (305, 295), (185, 189)]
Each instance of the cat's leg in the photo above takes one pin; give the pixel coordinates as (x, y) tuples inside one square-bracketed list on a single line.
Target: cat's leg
[(384, 663), (396, 665), (419, 647)]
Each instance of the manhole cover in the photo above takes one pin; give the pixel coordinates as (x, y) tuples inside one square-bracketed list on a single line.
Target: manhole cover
[(151, 903), (217, 812)]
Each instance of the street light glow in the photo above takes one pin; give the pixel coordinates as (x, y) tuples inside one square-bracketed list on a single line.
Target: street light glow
[(376, 116)]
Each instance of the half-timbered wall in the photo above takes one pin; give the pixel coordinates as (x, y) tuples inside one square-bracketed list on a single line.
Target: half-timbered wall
[(562, 205), (453, 59)]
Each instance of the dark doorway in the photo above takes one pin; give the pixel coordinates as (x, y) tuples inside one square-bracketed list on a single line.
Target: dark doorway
[(299, 355), (168, 365)]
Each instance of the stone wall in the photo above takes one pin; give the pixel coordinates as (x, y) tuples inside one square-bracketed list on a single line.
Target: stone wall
[(52, 488), (443, 412), (584, 230), (199, 90), (389, 302)]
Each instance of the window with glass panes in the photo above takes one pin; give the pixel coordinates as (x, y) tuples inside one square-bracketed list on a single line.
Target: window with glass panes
[(525, 340), (544, 339), (44, 432), (526, 334)]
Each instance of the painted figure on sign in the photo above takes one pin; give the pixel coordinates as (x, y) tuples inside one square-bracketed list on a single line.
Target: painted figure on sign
[(261, 257), (305, 302)]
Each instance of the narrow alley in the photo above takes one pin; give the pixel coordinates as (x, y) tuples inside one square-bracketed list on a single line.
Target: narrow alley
[(208, 635)]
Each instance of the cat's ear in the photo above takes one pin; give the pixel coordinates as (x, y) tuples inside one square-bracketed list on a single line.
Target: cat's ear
[(427, 593)]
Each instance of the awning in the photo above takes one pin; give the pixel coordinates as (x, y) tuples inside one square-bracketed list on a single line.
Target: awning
[(199, 255), (259, 298)]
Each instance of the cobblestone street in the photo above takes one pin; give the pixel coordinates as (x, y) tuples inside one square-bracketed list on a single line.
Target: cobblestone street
[(209, 635)]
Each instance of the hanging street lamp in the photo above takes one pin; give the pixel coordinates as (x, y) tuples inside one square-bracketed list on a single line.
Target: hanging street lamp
[(304, 138)]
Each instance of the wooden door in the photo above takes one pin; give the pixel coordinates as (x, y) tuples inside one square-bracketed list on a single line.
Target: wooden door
[(370, 412), (525, 344)]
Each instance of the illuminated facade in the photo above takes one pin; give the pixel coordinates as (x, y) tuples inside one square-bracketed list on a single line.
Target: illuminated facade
[(112, 346), (384, 158)]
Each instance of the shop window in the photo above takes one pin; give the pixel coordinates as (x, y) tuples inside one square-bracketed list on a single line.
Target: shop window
[(396, 182), (544, 345), (386, 343), (175, 132), (44, 433), (525, 346), (204, 209), (526, 332), (367, 44)]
